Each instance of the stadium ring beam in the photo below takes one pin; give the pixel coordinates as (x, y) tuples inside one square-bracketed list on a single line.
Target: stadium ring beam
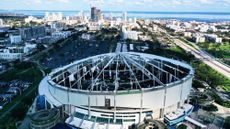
[(116, 90)]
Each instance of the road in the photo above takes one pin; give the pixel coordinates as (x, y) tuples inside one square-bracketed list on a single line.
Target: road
[(205, 57)]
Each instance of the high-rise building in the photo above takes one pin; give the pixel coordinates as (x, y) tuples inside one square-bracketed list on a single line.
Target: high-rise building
[(95, 14), (47, 14), (125, 16), (1, 22), (110, 17), (32, 32)]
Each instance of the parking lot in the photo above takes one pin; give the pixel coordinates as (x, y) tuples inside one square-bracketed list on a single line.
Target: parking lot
[(76, 50)]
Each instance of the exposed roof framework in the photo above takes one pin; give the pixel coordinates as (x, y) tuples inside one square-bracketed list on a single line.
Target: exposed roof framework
[(119, 71)]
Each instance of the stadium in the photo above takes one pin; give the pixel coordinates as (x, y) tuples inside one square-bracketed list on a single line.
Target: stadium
[(118, 90)]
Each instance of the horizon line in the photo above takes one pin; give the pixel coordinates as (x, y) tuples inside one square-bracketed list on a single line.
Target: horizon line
[(118, 11)]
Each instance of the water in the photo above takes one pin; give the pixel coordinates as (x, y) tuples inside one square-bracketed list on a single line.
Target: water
[(185, 16)]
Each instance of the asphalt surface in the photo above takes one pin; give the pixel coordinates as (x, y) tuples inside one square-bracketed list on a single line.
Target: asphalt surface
[(206, 58), (76, 50)]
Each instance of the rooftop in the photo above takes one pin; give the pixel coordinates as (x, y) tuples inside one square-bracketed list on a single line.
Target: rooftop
[(120, 71)]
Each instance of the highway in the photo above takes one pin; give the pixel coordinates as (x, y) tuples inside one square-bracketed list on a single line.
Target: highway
[(205, 57)]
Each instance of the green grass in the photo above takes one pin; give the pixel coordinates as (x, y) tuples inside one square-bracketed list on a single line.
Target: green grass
[(227, 122), (226, 88), (212, 77), (188, 42), (217, 50)]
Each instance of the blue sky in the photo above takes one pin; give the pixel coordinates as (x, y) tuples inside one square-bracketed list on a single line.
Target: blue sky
[(120, 5)]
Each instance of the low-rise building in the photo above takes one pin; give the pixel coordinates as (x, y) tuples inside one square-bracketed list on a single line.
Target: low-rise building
[(128, 34), (213, 38), (11, 53), (29, 47), (86, 36), (198, 38), (94, 26), (32, 32), (203, 28), (187, 34), (15, 38), (61, 34)]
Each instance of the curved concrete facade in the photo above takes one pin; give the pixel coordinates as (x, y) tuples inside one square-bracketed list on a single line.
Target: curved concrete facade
[(157, 100)]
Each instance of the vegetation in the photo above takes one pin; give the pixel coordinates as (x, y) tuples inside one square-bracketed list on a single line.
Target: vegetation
[(207, 74), (211, 108), (202, 71), (227, 123), (197, 84), (182, 126), (219, 100), (22, 71), (16, 110), (217, 50)]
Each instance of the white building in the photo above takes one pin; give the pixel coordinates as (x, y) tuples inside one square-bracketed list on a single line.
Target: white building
[(53, 16), (176, 28), (203, 28), (198, 38), (33, 19), (86, 36), (61, 34), (187, 34), (155, 28), (213, 29), (1, 22), (29, 47), (15, 38), (124, 17), (129, 34), (11, 53), (94, 26), (213, 38)]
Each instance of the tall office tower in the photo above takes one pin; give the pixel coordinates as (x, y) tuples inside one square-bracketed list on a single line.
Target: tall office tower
[(1, 22), (59, 16), (47, 14), (81, 15), (110, 17), (125, 16), (98, 16), (93, 13)]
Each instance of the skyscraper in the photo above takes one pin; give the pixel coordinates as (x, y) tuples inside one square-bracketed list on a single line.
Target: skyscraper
[(125, 16), (95, 14), (1, 22)]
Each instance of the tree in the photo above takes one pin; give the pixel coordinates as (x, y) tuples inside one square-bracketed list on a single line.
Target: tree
[(227, 123), (182, 126)]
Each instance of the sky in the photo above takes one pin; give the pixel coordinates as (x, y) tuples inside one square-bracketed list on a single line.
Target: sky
[(120, 5)]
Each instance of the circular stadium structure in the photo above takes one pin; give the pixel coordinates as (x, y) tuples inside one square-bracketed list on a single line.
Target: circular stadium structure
[(117, 90), (44, 119)]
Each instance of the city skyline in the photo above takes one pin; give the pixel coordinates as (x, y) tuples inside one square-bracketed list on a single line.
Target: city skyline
[(120, 5)]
